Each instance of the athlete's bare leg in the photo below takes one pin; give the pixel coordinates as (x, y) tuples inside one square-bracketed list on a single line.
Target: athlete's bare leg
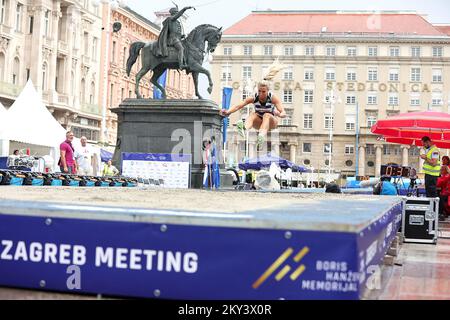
[(269, 122), (253, 121)]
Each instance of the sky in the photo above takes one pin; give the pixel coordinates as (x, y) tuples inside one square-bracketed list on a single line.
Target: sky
[(225, 13), (221, 14)]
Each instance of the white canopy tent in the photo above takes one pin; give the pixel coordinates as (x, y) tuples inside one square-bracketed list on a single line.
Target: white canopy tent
[(4, 144), (29, 122)]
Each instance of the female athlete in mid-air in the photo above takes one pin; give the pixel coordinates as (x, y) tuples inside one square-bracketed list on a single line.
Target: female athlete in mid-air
[(267, 108)]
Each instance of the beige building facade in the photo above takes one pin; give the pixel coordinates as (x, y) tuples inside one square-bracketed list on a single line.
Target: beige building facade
[(57, 45), (375, 65)]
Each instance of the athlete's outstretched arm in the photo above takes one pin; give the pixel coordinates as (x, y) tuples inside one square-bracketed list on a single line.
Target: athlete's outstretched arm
[(279, 112), (237, 107)]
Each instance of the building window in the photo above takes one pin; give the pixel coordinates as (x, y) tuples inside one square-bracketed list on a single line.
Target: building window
[(436, 99), (288, 120), (46, 22), (437, 52), (415, 74), (393, 75), (327, 148), (226, 73), (288, 50), (328, 121), (415, 100), (307, 147), (288, 74), (372, 99), (331, 51), (307, 121), (309, 50), (309, 96), (94, 48), (19, 8), (86, 43), (330, 74), (111, 95), (349, 149), (350, 122), (125, 58), (394, 51), (268, 50), (245, 94), (373, 74), (351, 75), (371, 121), (351, 51), (393, 99), (248, 50), (287, 96), (370, 150), (30, 30), (113, 55), (415, 52), (386, 150), (414, 151), (309, 74), (83, 91), (246, 72), (350, 99), (437, 75), (373, 51), (2, 11), (92, 95), (16, 71), (44, 77), (227, 51)]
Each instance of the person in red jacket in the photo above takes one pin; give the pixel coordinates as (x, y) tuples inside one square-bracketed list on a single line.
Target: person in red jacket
[(443, 184)]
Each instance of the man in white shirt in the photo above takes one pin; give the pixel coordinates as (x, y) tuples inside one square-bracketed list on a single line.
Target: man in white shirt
[(85, 158)]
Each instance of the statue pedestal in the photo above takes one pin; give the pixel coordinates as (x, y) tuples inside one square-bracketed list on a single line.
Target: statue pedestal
[(169, 126)]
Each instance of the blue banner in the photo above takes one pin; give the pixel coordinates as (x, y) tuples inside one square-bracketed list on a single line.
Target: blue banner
[(226, 101), (162, 82), (137, 259)]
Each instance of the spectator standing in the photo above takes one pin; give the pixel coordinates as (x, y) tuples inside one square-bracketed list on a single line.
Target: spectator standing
[(67, 162), (85, 158)]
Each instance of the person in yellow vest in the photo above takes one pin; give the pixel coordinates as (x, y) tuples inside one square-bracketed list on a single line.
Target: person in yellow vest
[(431, 167), (109, 170)]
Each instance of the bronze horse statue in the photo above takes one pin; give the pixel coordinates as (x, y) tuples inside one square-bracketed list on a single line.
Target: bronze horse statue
[(194, 48)]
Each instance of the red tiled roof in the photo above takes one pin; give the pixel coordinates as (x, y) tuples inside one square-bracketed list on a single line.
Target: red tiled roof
[(283, 22), (444, 29)]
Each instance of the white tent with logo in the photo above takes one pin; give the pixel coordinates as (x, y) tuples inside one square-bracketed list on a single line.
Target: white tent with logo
[(28, 122)]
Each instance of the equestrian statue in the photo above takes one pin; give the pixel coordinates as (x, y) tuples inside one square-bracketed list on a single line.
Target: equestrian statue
[(173, 50)]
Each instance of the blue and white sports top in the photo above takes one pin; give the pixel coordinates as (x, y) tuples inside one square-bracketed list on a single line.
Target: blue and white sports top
[(262, 108)]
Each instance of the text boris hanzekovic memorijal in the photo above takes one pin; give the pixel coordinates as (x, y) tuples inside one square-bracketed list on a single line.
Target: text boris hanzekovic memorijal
[(226, 309)]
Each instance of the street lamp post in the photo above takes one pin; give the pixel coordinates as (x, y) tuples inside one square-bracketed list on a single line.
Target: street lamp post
[(333, 99)]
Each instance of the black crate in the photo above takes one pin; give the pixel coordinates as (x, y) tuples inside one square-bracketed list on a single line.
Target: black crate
[(420, 220)]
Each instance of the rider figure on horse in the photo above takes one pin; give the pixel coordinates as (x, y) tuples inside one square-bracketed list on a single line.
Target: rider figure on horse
[(171, 36)]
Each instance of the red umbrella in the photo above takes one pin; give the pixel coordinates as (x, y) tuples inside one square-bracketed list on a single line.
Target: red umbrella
[(409, 128)]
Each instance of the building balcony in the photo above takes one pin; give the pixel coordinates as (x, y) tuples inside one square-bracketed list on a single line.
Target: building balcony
[(288, 128), (63, 99), (371, 107), (9, 89), (91, 108), (62, 47), (5, 30), (48, 42), (86, 60)]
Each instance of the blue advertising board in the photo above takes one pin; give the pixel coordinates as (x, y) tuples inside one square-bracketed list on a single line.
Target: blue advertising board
[(136, 259)]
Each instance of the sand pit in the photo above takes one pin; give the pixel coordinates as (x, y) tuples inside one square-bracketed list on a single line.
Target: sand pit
[(193, 200)]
